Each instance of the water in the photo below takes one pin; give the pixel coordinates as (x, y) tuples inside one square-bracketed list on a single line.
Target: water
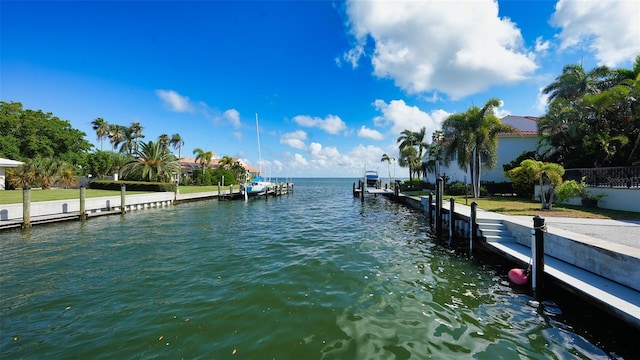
[(313, 275)]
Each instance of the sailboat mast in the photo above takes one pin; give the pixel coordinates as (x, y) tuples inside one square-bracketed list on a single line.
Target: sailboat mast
[(259, 152)]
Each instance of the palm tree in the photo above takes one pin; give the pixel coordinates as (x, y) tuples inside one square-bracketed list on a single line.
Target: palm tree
[(101, 128), (152, 163), (136, 133), (408, 158), (575, 82), (226, 162), (204, 157), (164, 140), (177, 142), (388, 159), (116, 135), (472, 137)]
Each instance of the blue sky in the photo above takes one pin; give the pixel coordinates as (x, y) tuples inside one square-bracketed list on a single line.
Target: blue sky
[(333, 83)]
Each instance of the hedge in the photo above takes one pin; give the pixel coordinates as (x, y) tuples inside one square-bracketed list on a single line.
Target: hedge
[(133, 185)]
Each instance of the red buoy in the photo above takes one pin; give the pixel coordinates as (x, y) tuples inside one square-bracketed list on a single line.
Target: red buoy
[(519, 276)]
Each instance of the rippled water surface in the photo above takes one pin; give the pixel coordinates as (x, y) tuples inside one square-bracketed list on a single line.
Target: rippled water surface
[(313, 275)]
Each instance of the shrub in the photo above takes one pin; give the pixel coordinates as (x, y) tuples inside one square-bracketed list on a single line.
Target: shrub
[(523, 180), (132, 185)]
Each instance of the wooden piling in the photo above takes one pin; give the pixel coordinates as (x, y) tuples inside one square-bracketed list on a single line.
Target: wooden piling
[(26, 207), (430, 209), (83, 211), (123, 193)]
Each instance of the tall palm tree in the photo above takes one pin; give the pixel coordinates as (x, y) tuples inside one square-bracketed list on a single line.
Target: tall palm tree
[(575, 82), (388, 159), (136, 133), (164, 140), (472, 137), (408, 158), (177, 142), (116, 135), (203, 157), (101, 128), (226, 162), (152, 163)]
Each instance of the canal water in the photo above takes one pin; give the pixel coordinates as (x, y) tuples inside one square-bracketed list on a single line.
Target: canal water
[(313, 275)]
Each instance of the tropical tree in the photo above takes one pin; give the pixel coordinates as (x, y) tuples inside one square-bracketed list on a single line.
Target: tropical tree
[(388, 159), (164, 140), (177, 142), (203, 157), (43, 172), (593, 117), (472, 138), (135, 131), (548, 175), (239, 171), (29, 134), (101, 128), (152, 163), (226, 162), (116, 135), (409, 158), (411, 139)]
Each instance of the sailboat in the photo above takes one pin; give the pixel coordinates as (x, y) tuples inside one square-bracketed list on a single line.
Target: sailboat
[(258, 185)]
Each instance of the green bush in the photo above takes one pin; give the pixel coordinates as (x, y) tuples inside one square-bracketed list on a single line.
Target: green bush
[(523, 180), (132, 185), (458, 188)]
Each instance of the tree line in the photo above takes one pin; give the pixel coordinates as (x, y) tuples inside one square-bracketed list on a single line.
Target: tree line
[(592, 120), (54, 152)]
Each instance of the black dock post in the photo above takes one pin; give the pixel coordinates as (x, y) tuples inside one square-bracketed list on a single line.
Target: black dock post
[(430, 211), (473, 227), (452, 205), (354, 189), (439, 206), (537, 256)]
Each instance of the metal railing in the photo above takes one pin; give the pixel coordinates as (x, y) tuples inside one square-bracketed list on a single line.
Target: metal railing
[(615, 177)]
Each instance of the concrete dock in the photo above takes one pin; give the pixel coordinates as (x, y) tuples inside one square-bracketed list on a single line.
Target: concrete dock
[(598, 259)]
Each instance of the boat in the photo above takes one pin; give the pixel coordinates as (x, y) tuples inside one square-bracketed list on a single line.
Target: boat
[(258, 186), (372, 179)]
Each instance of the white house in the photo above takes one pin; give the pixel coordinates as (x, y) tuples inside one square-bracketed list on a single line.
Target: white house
[(510, 146), (4, 164)]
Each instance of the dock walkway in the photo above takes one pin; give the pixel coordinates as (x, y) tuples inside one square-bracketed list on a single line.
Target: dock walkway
[(604, 270)]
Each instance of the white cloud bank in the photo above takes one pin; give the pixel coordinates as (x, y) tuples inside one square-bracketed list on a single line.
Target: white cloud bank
[(608, 29), (456, 47), (331, 124)]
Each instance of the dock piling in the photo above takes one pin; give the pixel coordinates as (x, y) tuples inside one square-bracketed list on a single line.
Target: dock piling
[(439, 191), (452, 205), (83, 211), (26, 207), (123, 192), (537, 256), (473, 227)]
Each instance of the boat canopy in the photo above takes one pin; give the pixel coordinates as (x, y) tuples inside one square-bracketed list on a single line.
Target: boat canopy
[(257, 179)]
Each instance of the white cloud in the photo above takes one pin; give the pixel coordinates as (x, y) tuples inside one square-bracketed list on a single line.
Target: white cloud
[(455, 47), (367, 133), (174, 101), (331, 124), (298, 161), (400, 116), (295, 139), (542, 46), (609, 29), (233, 116)]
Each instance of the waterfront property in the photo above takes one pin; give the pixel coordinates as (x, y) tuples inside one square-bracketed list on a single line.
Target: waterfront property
[(318, 275), (5, 164)]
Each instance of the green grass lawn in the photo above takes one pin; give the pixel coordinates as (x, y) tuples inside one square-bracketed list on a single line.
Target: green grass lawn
[(524, 207)]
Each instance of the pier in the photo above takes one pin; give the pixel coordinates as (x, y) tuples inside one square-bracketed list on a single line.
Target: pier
[(602, 272), (21, 215)]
